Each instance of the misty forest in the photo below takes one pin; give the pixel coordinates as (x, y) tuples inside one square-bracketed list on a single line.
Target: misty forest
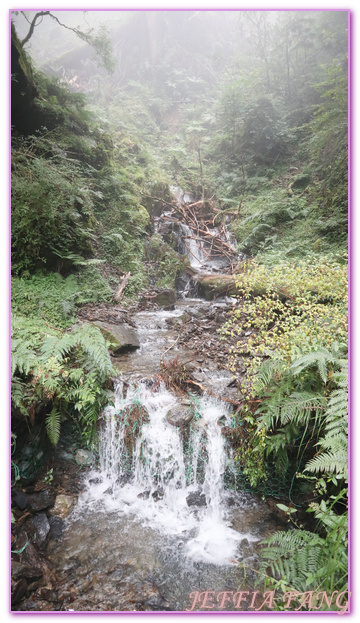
[(179, 379)]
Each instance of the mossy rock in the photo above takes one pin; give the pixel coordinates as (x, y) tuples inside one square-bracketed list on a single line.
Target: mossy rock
[(120, 337)]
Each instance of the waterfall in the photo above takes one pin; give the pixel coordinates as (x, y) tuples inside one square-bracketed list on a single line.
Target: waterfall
[(191, 247), (152, 480)]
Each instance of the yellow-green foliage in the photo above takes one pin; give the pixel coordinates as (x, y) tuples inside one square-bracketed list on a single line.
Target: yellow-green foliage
[(303, 307)]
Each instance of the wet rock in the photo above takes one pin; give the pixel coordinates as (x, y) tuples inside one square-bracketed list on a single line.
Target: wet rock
[(67, 456), (46, 593), (95, 481), (180, 415), (63, 506), (144, 495), (18, 591), (84, 457), (37, 528), (56, 528), (41, 500), (158, 494), (34, 559), (22, 570), (196, 498), (165, 298), (121, 338), (20, 499)]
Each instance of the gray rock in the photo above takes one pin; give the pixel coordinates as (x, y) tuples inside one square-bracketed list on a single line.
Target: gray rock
[(20, 499), (158, 494), (41, 527), (165, 298), (56, 528), (21, 570), (180, 415), (41, 500), (144, 495), (83, 457), (196, 498), (121, 337)]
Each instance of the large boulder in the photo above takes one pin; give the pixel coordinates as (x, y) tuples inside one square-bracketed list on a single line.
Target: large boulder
[(20, 499), (121, 337), (41, 500), (180, 415), (56, 527), (37, 528)]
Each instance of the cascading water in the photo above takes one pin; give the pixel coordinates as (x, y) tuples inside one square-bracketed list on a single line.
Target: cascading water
[(154, 522), (192, 248), (152, 480)]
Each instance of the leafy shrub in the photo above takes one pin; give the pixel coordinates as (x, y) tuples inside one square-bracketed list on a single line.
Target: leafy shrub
[(54, 298), (51, 213), (301, 307), (64, 378)]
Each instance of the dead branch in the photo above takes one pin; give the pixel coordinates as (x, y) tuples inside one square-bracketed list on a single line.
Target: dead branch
[(194, 256), (121, 287), (233, 402), (170, 347)]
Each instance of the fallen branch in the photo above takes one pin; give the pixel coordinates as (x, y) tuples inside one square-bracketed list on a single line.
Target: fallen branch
[(170, 347), (122, 287), (233, 402)]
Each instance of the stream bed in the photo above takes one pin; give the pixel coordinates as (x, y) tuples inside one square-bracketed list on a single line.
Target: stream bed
[(154, 522)]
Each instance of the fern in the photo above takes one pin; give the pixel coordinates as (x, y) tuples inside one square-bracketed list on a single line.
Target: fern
[(93, 354), (333, 456), (305, 561), (319, 358), (52, 423), (67, 374), (23, 358), (299, 407)]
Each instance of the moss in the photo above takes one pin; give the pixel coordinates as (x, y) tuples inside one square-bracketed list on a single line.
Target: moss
[(166, 264)]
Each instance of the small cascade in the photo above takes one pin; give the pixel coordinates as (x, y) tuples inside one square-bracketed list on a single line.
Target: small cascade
[(151, 475), (191, 247), (199, 239)]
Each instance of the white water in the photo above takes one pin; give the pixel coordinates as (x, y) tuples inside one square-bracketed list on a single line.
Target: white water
[(160, 468)]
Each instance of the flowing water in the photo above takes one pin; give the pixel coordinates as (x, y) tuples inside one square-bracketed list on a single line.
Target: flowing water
[(154, 522)]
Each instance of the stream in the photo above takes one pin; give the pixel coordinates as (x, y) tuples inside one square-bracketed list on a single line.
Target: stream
[(155, 521)]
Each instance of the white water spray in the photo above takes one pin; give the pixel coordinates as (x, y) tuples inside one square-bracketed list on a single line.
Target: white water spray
[(153, 485)]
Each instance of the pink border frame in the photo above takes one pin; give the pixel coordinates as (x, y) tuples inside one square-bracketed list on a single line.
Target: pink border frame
[(351, 332)]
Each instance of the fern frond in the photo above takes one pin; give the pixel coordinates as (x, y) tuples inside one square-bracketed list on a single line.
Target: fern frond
[(23, 358), (265, 375), (52, 423), (335, 462), (333, 459), (320, 358), (299, 407)]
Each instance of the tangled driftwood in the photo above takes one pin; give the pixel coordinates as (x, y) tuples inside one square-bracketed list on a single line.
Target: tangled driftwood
[(213, 243)]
